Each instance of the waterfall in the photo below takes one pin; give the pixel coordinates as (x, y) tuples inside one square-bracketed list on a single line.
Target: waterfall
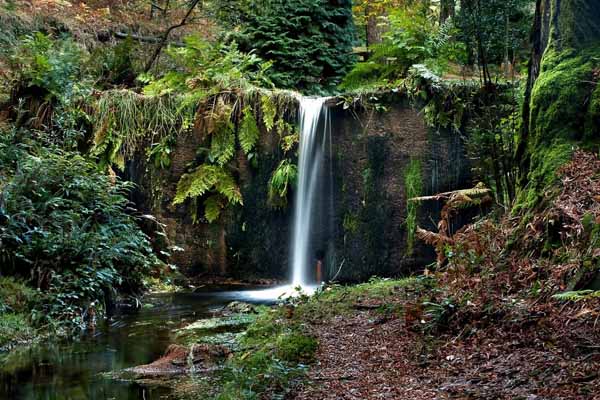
[(312, 221), (313, 141)]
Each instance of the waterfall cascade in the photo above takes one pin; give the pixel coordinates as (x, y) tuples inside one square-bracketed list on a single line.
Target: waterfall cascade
[(313, 142), (311, 223)]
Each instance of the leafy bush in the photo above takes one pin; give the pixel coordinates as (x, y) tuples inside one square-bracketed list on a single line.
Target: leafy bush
[(15, 296), (68, 227), (207, 69), (414, 37), (47, 64)]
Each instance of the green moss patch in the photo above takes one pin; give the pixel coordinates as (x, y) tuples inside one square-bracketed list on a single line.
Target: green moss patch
[(563, 95)]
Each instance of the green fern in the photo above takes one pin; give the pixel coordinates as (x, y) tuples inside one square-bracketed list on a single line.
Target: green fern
[(227, 186), (248, 132), (269, 111), (222, 145), (204, 179), (284, 176), (212, 208), (577, 295)]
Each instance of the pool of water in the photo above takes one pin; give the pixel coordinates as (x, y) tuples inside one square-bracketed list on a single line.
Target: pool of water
[(74, 370)]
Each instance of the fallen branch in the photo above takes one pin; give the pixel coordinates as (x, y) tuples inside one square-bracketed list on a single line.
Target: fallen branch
[(144, 39)]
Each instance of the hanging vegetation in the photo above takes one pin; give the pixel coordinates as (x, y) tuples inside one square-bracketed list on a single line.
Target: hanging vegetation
[(283, 177), (126, 121)]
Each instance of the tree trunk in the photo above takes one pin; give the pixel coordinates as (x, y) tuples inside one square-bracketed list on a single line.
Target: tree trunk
[(562, 101)]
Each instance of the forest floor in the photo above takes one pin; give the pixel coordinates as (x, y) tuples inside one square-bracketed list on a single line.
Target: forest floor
[(373, 355), (513, 313)]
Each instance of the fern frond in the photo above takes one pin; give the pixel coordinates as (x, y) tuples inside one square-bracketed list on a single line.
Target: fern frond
[(196, 183), (248, 132), (577, 295), (222, 145), (212, 208), (432, 238), (284, 176), (269, 111), (205, 179), (227, 186)]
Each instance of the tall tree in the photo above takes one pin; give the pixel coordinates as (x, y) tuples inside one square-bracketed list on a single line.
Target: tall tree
[(562, 103), (309, 41)]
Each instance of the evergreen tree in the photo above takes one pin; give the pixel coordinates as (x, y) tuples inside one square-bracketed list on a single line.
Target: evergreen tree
[(309, 41)]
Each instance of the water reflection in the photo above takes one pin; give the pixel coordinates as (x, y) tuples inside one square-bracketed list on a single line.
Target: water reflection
[(73, 371)]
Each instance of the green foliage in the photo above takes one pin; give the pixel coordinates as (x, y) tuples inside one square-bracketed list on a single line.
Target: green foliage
[(414, 37), (15, 296), (50, 65), (213, 205), (413, 184), (491, 141), (248, 131), (495, 29), (206, 70), (209, 179), (204, 179), (114, 65), (350, 223), (578, 295), (283, 177), (308, 41), (14, 328), (222, 145), (68, 229), (269, 111), (125, 120), (160, 153)]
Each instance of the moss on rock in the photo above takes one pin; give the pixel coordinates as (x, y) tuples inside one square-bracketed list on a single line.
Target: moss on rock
[(565, 111)]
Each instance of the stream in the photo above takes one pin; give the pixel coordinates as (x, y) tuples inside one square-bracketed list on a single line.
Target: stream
[(75, 370)]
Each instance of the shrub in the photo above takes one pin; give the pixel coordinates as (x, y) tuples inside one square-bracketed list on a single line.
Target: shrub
[(69, 228)]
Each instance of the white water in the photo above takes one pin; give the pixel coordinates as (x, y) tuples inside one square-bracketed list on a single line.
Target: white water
[(309, 166), (311, 159)]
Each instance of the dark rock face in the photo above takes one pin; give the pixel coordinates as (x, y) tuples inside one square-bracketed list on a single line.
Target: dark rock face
[(363, 210), (371, 155)]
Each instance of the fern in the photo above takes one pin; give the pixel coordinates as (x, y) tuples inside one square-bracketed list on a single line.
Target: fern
[(204, 179), (269, 111), (196, 183), (222, 145), (577, 295), (248, 132), (227, 186), (284, 176), (212, 208)]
